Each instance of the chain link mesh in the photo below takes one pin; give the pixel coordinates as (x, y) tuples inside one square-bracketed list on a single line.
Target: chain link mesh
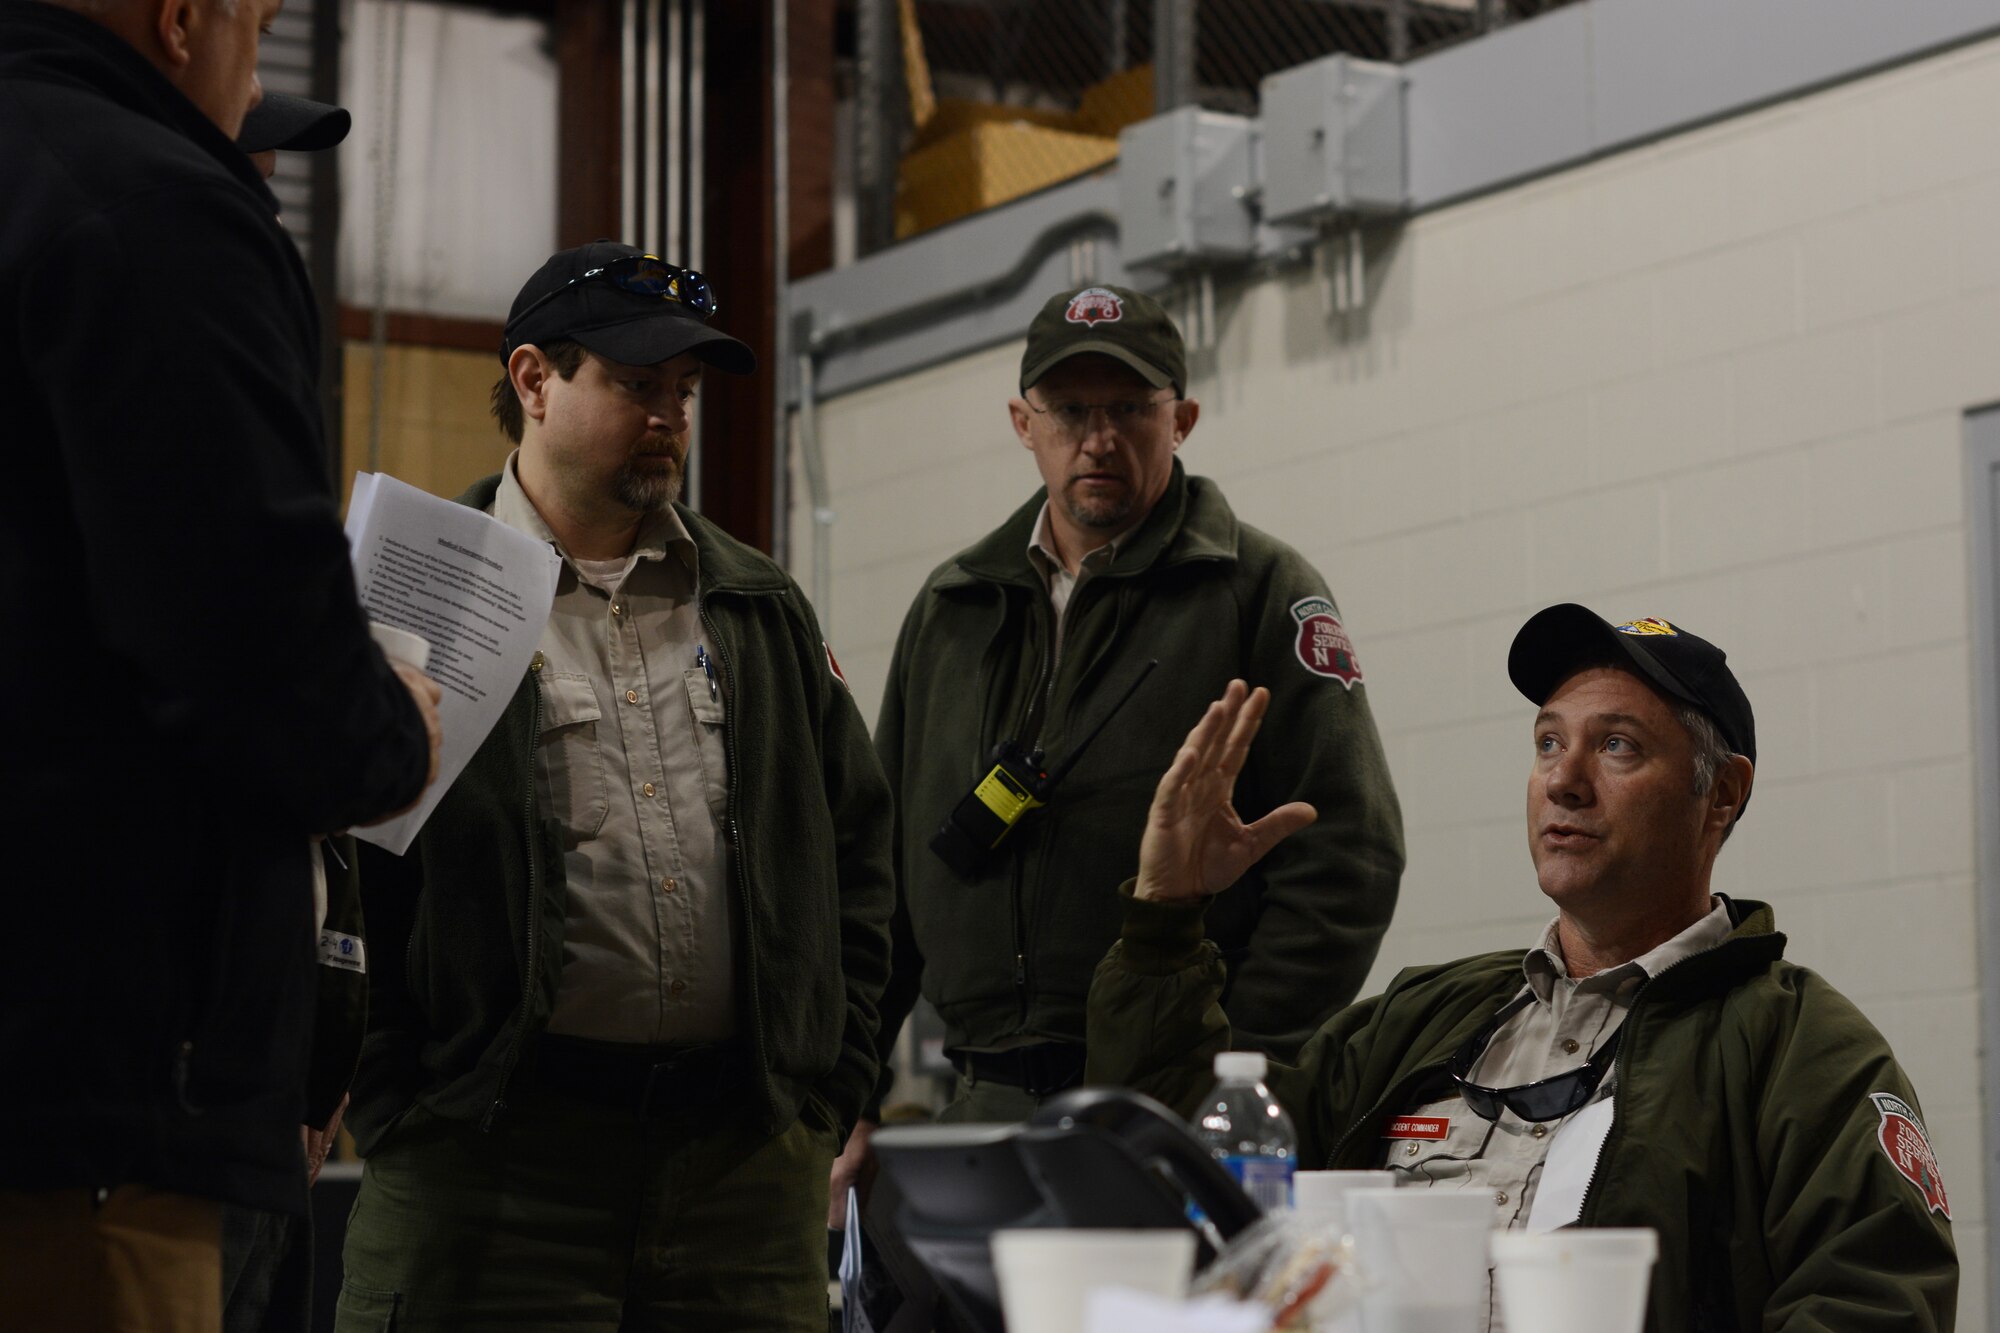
[(994, 99)]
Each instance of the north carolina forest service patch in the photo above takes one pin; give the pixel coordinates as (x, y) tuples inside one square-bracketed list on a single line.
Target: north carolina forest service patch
[(1323, 646), (1094, 305), (1908, 1149)]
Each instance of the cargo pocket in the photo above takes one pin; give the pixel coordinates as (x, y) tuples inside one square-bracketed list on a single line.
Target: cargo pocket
[(708, 719), (361, 1310), (569, 764)]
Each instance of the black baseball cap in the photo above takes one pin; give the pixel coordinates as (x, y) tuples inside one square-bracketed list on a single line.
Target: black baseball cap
[(1117, 322), (298, 123), (1557, 641), (624, 326)]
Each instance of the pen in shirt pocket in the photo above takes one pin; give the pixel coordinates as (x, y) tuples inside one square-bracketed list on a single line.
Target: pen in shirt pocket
[(707, 665)]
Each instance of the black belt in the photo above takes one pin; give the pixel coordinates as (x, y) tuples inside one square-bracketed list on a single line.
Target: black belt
[(1036, 1070), (647, 1082)]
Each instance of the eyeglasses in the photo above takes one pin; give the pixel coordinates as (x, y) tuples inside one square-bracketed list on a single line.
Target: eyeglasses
[(1073, 419), (642, 275), (1545, 1099)]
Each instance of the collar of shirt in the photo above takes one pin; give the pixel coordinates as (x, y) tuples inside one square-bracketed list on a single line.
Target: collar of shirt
[(1544, 964), (661, 531), (1042, 552)]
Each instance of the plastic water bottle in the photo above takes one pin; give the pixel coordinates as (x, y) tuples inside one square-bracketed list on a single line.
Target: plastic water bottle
[(1246, 1129)]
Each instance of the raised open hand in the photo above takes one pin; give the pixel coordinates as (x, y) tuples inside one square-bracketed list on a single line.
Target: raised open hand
[(1195, 843)]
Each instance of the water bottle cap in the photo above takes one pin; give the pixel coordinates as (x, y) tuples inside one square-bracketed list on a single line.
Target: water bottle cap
[(1240, 1066)]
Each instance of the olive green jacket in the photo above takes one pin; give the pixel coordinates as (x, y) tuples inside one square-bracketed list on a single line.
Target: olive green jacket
[(1212, 599), (465, 930), (1745, 1128)]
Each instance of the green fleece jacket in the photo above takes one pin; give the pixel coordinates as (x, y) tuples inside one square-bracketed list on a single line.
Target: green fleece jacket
[(1760, 1124), (465, 931), (976, 664)]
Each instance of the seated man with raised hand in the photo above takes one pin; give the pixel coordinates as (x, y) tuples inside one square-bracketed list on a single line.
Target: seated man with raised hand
[(1731, 1100)]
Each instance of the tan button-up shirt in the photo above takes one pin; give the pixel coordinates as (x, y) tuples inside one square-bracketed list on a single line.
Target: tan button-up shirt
[(1567, 1021), (631, 763)]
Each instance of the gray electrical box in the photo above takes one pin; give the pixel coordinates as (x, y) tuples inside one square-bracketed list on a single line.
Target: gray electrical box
[(1184, 187), (1334, 142)]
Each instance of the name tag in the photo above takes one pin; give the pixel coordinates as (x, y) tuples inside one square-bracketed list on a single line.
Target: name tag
[(346, 952), (1419, 1127), (1571, 1162)]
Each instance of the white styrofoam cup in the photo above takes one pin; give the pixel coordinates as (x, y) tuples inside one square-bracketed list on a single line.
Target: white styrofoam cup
[(1047, 1274), (1576, 1279)]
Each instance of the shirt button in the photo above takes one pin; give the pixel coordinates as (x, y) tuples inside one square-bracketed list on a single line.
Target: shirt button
[(618, 608), (1540, 1131), (1569, 1045), (632, 697), (1501, 1198), (648, 789), (1410, 1151), (668, 885), (678, 987)]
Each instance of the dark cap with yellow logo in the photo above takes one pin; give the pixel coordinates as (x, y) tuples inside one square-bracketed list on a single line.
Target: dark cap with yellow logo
[(1117, 322), (1558, 641)]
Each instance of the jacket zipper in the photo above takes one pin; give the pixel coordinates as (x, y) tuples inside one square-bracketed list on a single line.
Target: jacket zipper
[(533, 965), (734, 833), (1619, 1068), (1017, 909), (1038, 711)]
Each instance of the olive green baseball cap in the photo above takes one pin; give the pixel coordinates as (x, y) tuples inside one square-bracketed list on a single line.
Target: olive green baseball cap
[(1128, 326)]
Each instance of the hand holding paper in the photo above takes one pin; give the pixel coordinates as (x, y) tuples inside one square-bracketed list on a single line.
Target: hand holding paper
[(476, 590)]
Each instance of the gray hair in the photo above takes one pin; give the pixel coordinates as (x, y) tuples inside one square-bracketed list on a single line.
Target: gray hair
[(1711, 752)]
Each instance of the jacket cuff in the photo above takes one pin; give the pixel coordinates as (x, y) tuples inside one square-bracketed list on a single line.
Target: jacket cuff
[(1161, 937)]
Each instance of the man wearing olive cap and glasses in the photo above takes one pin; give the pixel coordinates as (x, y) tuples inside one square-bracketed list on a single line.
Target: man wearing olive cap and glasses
[(1030, 636), (1653, 1061), (624, 986)]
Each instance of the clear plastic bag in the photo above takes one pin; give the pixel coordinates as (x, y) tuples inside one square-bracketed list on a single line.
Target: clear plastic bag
[(1304, 1272)]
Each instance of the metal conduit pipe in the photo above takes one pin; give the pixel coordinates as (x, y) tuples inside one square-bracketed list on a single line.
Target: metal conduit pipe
[(697, 195), (813, 458), (652, 154), (628, 123), (1049, 239)]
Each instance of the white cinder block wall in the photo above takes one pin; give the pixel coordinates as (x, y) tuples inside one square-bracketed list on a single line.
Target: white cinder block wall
[(1719, 379)]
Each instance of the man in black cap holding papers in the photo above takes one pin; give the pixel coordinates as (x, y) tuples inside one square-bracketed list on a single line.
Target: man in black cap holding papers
[(1031, 636), (625, 983), (1653, 1061)]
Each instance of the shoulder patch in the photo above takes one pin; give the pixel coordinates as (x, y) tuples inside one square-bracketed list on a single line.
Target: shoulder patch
[(1908, 1149), (1095, 305), (833, 665), (1323, 646)]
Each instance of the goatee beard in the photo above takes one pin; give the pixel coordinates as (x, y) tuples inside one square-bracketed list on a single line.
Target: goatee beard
[(647, 492), (1104, 514)]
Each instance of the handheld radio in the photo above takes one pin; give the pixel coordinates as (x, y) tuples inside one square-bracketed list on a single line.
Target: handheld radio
[(1015, 785)]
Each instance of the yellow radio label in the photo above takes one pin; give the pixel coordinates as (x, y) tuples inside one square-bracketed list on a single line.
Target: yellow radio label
[(1005, 797)]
